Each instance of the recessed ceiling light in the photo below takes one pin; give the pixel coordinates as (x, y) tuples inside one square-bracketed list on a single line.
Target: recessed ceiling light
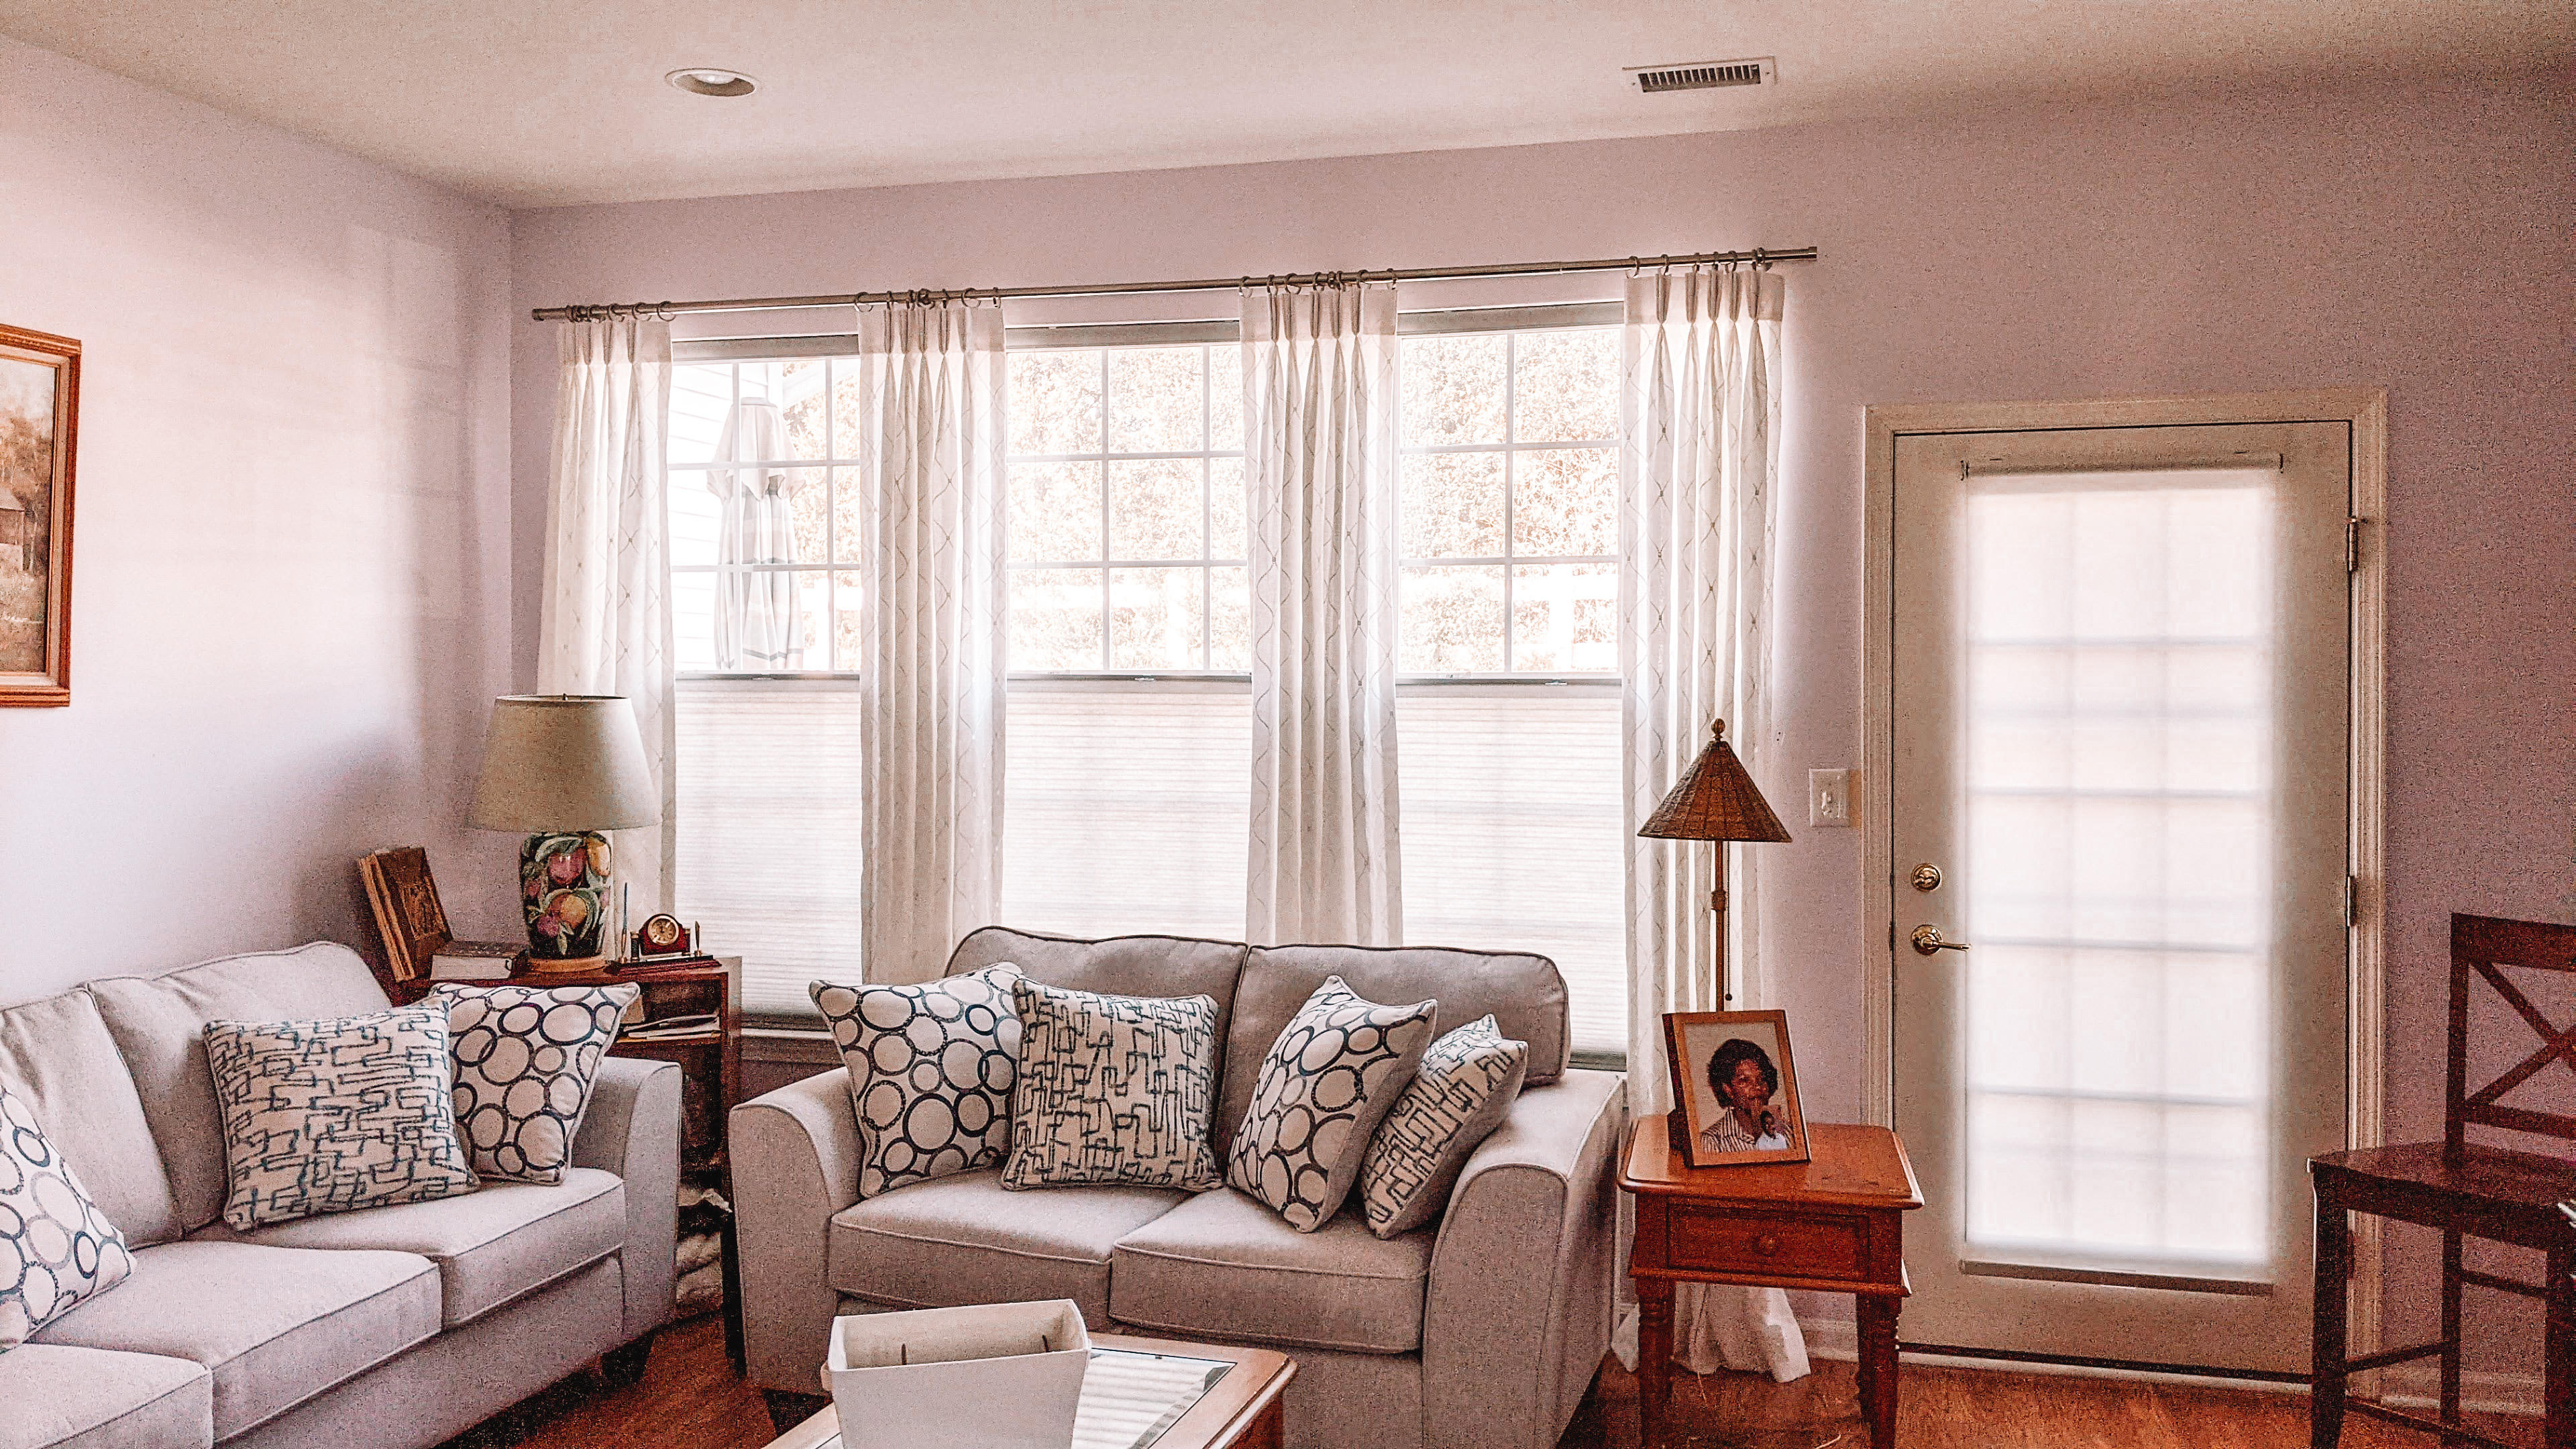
[(707, 80)]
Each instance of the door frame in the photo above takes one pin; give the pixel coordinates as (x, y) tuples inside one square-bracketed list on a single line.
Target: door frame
[(2365, 1015)]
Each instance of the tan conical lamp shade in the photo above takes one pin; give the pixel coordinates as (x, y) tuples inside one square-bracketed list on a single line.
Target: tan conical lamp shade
[(1715, 800), (564, 762)]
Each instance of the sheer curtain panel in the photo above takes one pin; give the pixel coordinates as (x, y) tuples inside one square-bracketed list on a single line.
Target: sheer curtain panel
[(932, 629), (1320, 436), (604, 621), (1700, 422)]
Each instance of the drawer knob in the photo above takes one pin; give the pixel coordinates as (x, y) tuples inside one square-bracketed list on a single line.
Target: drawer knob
[(1767, 1244)]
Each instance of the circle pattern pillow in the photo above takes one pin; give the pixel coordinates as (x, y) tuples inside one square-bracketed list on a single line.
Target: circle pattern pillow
[(1335, 1069), (931, 1072), (56, 1248), (525, 1058)]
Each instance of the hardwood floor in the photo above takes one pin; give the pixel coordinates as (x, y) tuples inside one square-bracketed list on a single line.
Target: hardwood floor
[(689, 1398)]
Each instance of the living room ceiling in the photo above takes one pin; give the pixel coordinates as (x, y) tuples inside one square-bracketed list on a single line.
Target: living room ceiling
[(551, 102)]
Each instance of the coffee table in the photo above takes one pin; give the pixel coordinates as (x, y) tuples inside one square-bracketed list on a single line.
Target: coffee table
[(1133, 1389)]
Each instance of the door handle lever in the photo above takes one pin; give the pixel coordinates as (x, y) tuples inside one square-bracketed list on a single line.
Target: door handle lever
[(1927, 939)]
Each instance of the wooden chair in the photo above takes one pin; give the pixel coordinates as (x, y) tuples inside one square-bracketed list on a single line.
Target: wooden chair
[(2467, 1190)]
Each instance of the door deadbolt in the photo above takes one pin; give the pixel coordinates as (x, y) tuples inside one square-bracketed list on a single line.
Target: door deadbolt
[(1926, 877), (1927, 940)]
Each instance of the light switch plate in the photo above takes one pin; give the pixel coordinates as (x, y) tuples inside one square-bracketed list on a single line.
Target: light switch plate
[(1829, 797)]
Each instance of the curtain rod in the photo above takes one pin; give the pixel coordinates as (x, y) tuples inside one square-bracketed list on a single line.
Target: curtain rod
[(1758, 257)]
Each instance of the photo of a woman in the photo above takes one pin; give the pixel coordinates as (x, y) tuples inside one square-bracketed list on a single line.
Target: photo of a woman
[(1745, 1081)]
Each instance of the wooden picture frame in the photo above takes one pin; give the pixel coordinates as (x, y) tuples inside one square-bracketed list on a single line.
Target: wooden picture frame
[(1695, 1042), (39, 423)]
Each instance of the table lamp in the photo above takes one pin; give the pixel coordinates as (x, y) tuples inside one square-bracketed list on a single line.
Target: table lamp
[(1716, 800), (566, 767)]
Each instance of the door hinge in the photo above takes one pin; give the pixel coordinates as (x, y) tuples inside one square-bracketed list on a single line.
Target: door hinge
[(2352, 545), (2351, 899)]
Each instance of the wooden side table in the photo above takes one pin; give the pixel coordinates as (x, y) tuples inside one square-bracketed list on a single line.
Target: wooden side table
[(1834, 1224)]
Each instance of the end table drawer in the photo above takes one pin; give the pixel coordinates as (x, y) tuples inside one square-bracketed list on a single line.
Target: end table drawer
[(1727, 1240)]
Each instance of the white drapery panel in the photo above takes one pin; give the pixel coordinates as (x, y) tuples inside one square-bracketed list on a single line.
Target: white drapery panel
[(604, 621), (1320, 409), (1700, 422), (757, 628), (932, 630)]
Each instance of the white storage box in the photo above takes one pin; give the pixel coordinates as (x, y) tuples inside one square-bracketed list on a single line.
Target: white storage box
[(986, 1376)]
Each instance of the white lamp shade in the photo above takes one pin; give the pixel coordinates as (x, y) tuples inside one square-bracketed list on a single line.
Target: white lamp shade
[(564, 762)]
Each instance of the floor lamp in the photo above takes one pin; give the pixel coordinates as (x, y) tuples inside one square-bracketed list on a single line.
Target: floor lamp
[(1716, 800)]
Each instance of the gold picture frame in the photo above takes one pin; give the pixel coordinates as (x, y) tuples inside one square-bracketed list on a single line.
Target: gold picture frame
[(1702, 1049), (39, 421)]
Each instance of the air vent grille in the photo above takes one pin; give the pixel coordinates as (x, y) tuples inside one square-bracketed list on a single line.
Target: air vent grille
[(1705, 75)]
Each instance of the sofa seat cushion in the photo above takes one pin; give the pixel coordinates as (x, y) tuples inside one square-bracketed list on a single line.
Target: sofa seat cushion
[(96, 1398), (491, 1247), (964, 1239), (1224, 1265), (275, 1326)]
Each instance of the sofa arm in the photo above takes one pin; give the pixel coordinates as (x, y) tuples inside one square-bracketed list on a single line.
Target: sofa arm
[(795, 1164), (1523, 1278), (632, 1128)]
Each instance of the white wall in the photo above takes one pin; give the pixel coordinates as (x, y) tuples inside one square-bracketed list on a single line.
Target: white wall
[(291, 558)]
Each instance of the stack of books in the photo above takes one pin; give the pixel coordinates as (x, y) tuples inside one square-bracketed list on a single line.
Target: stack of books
[(666, 1028), (412, 925)]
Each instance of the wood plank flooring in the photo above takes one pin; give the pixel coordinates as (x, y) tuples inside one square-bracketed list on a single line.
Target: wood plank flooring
[(689, 1398)]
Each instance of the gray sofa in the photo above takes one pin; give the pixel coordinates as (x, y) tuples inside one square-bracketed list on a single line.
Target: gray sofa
[(1482, 1330), (393, 1326)]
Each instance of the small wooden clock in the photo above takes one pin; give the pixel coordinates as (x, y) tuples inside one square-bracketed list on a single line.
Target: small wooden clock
[(663, 935)]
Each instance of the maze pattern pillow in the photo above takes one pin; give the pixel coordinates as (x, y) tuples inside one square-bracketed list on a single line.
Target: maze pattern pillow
[(332, 1116), (1113, 1089), (931, 1072), (1467, 1083), (56, 1248), (1336, 1068), (525, 1058)]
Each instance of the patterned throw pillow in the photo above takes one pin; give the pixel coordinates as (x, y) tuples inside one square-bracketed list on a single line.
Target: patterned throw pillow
[(1465, 1088), (332, 1116), (1336, 1068), (525, 1058), (931, 1068), (56, 1248), (1113, 1089)]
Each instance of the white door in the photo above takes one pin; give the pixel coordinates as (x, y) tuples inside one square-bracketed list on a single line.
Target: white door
[(2120, 689)]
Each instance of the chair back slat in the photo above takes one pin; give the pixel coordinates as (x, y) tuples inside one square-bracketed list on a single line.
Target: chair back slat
[(2481, 946)]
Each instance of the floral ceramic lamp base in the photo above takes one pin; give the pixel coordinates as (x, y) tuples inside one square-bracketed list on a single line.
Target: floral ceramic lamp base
[(563, 886)]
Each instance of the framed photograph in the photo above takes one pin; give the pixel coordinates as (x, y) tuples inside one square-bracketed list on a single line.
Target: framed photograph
[(39, 414), (1735, 1093)]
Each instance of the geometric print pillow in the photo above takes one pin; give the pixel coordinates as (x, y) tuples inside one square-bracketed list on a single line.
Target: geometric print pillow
[(524, 1059), (1113, 1089), (56, 1247), (332, 1116), (1466, 1086), (931, 1071), (1336, 1068)]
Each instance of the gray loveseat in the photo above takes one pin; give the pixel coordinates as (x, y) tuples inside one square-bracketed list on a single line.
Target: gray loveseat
[(393, 1326), (1482, 1330)]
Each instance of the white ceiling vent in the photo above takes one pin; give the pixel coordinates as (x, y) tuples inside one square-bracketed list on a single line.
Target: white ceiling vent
[(1706, 75)]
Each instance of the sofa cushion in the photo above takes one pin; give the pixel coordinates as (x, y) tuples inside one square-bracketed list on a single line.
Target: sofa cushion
[(491, 1247), (275, 1326), (96, 1398), (332, 1116), (1222, 1264), (159, 1025), (1114, 965), (524, 1058), (966, 1239), (1334, 1071), (59, 1057), (1113, 1089), (1523, 993), (57, 1249), (1464, 1089), (931, 1068)]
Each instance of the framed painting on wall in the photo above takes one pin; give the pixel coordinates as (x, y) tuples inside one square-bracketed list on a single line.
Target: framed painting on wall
[(39, 416)]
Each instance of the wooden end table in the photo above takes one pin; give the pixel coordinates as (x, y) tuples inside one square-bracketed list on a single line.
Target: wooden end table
[(1241, 1412), (1834, 1224)]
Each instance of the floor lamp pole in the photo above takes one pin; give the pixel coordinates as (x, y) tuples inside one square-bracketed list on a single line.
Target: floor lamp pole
[(1717, 907)]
